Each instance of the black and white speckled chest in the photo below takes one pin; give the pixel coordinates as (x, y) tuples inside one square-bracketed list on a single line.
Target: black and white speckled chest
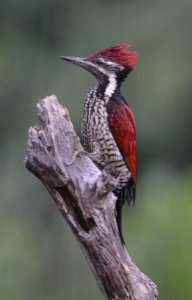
[(96, 135)]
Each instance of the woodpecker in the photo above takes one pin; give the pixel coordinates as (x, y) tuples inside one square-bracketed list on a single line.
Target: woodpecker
[(108, 126)]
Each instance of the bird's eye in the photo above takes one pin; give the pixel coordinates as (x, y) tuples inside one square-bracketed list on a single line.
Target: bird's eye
[(99, 62)]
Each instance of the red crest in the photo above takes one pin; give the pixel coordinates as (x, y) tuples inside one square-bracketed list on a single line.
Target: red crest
[(119, 54)]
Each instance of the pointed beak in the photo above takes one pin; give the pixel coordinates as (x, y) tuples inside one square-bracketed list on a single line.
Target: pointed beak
[(82, 62)]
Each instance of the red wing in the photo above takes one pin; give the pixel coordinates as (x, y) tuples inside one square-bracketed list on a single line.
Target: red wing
[(122, 125)]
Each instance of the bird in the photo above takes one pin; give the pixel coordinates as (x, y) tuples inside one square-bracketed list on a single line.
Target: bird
[(108, 127)]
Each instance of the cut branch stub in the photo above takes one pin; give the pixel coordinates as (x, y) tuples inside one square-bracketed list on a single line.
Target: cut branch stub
[(81, 193)]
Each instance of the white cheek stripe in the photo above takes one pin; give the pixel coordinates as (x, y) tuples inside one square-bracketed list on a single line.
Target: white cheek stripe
[(112, 85)]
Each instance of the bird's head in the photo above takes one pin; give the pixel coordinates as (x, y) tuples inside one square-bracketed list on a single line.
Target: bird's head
[(113, 62)]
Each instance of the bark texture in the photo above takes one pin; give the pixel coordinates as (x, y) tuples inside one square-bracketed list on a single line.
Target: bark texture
[(82, 194)]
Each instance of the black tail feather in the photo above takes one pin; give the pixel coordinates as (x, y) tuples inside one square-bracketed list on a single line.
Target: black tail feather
[(119, 204), (130, 192), (126, 194)]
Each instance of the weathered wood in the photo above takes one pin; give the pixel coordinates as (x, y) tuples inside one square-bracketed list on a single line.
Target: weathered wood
[(82, 194)]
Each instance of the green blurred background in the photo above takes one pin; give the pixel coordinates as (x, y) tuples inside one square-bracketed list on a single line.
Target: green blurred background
[(39, 257)]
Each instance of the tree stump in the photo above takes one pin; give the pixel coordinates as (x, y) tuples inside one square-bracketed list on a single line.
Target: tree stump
[(82, 194)]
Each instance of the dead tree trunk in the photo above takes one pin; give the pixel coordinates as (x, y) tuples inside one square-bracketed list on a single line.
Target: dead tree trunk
[(82, 194)]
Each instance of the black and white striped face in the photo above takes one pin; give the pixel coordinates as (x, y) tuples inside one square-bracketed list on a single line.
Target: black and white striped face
[(104, 67), (107, 72)]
